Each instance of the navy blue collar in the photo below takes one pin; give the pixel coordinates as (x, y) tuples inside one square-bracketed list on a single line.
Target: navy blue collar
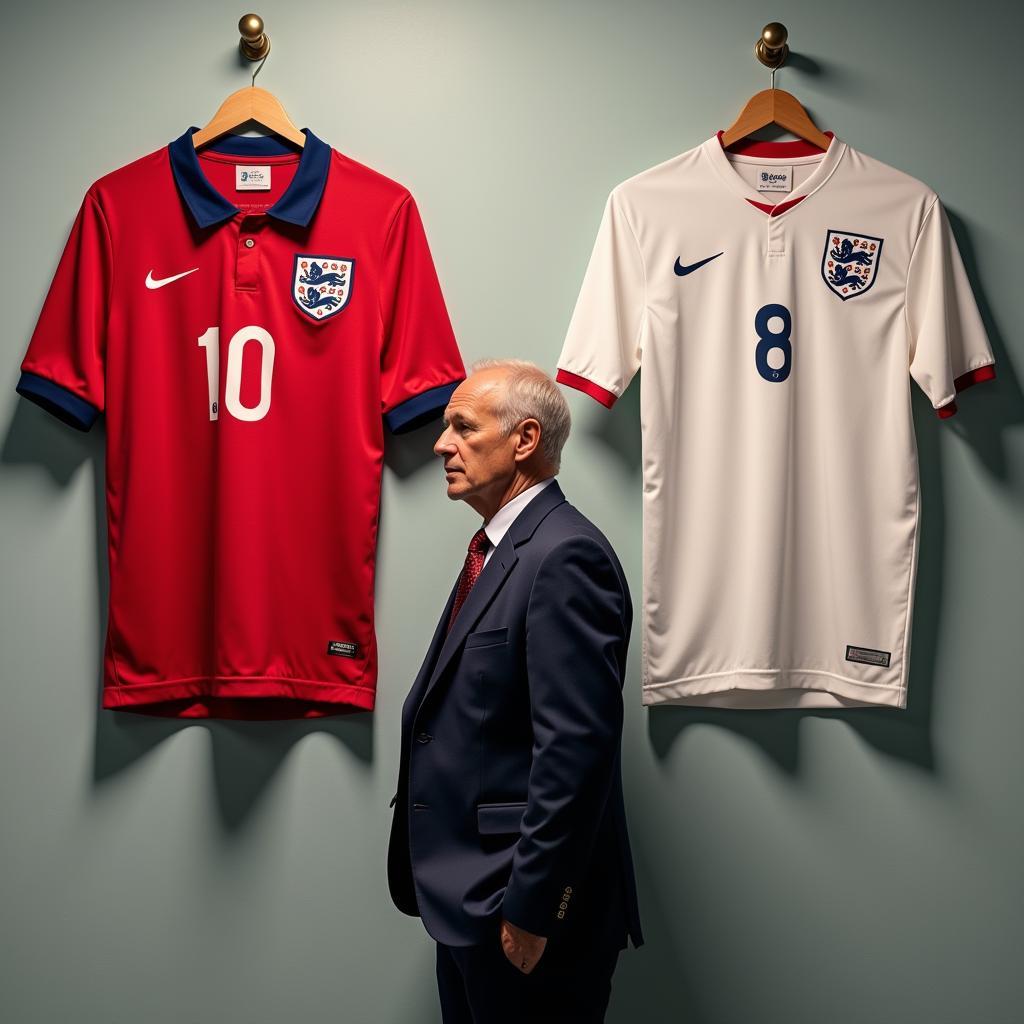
[(208, 206)]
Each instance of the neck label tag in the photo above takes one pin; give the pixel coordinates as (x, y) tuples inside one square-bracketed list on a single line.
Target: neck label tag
[(775, 179), (252, 177)]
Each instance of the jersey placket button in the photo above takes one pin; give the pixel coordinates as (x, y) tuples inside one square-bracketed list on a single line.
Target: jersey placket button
[(247, 258), (776, 237)]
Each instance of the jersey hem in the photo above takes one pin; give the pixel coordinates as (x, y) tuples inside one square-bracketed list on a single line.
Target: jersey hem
[(233, 697), (774, 688)]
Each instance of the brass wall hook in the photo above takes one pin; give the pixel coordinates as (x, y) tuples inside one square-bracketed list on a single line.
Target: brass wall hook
[(772, 48), (255, 43)]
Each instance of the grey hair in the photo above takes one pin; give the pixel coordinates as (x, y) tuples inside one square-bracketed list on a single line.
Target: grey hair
[(531, 394)]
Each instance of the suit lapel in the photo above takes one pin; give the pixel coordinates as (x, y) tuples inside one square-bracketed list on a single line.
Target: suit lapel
[(494, 575), (491, 579)]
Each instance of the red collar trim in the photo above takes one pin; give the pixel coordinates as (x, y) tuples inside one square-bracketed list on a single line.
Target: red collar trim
[(774, 211), (755, 147)]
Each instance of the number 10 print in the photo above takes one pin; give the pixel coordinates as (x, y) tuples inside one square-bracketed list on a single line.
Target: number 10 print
[(210, 340)]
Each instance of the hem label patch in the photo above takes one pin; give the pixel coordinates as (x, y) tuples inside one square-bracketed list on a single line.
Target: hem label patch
[(868, 656), (343, 649)]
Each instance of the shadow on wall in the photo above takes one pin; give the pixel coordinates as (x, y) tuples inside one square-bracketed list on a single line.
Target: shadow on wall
[(652, 984), (246, 755)]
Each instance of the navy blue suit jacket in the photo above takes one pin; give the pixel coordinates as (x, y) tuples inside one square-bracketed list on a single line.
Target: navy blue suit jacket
[(509, 797)]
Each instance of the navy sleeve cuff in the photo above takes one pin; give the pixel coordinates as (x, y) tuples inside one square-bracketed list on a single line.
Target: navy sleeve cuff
[(63, 404), (419, 409), (524, 913)]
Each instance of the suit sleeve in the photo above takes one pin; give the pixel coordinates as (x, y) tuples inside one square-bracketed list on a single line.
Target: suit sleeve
[(577, 631)]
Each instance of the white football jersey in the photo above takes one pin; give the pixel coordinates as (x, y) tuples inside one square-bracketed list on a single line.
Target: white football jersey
[(779, 298)]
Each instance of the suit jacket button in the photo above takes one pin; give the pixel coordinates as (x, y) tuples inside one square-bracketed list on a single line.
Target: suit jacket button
[(424, 737)]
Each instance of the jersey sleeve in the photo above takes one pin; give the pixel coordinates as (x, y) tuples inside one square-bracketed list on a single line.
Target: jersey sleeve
[(601, 353), (949, 349), (63, 369), (420, 361)]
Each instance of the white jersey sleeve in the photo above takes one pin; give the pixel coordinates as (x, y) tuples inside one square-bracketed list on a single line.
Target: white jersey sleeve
[(602, 349), (949, 349)]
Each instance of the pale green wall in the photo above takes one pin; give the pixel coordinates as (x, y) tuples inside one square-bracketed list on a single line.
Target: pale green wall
[(794, 867)]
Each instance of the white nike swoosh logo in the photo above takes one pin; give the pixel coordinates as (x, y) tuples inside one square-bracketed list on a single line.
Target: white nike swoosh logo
[(152, 282)]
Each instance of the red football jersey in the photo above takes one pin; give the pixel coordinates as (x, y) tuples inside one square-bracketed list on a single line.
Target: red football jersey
[(247, 318)]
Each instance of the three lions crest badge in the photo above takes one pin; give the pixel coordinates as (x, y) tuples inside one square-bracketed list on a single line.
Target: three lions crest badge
[(322, 285), (849, 263)]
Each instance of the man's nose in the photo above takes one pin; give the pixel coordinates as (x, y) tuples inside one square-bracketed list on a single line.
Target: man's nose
[(442, 445)]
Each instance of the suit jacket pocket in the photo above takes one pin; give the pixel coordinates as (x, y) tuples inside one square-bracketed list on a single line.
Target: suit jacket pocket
[(488, 637), (499, 819)]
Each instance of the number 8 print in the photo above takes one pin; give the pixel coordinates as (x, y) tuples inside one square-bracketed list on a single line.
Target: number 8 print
[(770, 340)]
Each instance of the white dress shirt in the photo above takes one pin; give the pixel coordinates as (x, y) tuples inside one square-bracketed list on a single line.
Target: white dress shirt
[(500, 522)]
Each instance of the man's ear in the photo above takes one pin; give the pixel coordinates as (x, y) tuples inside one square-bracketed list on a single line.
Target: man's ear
[(529, 439)]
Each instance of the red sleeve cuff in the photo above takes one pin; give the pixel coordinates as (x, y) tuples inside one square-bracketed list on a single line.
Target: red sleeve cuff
[(966, 380), (588, 387)]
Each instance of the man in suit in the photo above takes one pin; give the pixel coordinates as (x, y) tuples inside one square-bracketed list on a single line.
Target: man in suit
[(509, 833)]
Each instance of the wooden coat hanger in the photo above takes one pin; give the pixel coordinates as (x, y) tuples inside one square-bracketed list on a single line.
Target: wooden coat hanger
[(774, 106), (249, 103)]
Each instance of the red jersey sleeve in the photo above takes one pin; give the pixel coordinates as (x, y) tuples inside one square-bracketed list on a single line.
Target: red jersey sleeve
[(420, 361), (63, 369)]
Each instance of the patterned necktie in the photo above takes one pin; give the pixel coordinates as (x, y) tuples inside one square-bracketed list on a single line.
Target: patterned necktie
[(470, 572)]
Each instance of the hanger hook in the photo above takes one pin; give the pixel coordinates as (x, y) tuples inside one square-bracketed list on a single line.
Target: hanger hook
[(264, 61)]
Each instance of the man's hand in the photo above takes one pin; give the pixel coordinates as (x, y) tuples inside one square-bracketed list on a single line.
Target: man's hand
[(522, 948)]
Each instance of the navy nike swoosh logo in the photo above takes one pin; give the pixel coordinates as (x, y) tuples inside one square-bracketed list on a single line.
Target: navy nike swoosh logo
[(683, 271)]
